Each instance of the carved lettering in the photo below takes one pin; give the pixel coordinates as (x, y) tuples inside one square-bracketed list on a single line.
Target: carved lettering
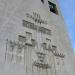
[(36, 18), (40, 62), (35, 27)]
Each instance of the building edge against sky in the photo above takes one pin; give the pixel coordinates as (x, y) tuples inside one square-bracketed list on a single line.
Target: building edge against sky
[(68, 19), (34, 39)]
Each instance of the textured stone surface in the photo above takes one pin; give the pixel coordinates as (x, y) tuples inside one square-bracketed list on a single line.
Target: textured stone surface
[(29, 50)]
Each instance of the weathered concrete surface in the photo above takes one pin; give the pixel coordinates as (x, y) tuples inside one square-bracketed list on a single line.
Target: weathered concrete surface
[(12, 14)]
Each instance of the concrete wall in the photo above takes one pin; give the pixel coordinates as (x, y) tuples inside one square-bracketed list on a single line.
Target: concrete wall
[(12, 14)]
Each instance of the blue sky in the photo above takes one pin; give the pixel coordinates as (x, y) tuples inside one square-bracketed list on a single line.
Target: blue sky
[(68, 12)]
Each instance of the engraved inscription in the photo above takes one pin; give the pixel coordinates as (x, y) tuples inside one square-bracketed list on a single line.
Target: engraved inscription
[(36, 18), (35, 27), (40, 62)]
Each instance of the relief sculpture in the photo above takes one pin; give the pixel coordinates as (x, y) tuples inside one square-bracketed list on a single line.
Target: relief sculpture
[(20, 51)]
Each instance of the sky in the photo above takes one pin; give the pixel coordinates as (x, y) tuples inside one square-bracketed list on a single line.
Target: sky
[(68, 11)]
